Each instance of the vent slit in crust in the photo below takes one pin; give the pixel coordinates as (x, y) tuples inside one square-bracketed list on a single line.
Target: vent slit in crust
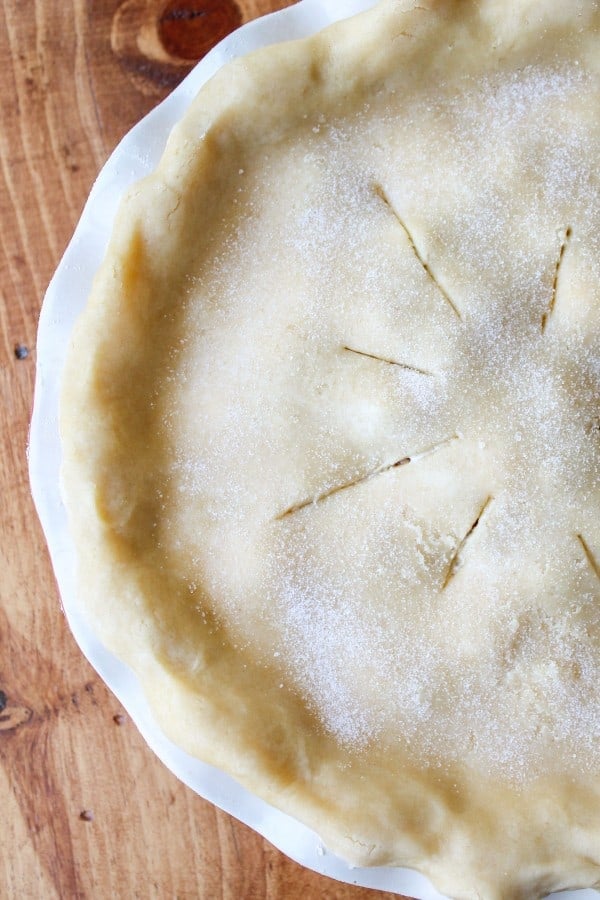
[(595, 567), (461, 546), (561, 253), (403, 461), (384, 359), (426, 268)]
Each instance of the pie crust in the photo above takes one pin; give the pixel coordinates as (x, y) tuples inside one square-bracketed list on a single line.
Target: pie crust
[(331, 422)]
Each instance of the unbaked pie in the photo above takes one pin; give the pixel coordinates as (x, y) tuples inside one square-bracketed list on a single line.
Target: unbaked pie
[(331, 427)]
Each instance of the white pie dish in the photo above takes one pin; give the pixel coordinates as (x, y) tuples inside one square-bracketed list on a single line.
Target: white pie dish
[(135, 157)]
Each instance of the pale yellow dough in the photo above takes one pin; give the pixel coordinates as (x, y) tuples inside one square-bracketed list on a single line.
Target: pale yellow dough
[(331, 426)]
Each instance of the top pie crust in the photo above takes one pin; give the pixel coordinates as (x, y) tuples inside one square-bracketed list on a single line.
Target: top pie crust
[(331, 426)]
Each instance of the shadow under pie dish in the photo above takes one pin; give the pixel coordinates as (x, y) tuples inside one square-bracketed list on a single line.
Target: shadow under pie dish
[(330, 425)]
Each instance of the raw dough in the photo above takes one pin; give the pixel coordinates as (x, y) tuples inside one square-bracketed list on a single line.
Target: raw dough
[(331, 425)]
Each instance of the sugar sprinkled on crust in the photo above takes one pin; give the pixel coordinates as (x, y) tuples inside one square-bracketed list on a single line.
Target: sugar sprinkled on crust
[(489, 665)]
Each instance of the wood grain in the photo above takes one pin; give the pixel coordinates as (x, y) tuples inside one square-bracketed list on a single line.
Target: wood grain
[(87, 811)]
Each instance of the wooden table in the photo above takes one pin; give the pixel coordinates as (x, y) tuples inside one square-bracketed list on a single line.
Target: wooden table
[(86, 811)]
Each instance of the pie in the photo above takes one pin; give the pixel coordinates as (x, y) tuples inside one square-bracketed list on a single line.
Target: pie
[(331, 428)]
